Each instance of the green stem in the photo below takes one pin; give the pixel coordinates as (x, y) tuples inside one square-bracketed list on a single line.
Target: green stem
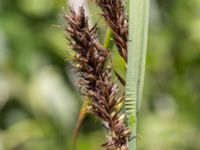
[(138, 27), (107, 38)]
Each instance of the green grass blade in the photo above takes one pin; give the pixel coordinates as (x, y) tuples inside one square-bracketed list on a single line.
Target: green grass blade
[(138, 27), (143, 51)]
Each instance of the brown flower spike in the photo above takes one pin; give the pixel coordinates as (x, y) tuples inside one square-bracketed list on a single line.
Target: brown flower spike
[(113, 12), (95, 79)]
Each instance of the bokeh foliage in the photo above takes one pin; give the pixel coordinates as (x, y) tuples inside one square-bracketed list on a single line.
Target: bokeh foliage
[(39, 104)]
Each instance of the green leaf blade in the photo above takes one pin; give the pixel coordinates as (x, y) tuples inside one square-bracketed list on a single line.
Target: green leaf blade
[(138, 28)]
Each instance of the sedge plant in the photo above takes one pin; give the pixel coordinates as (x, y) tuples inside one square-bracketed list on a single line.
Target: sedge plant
[(117, 109)]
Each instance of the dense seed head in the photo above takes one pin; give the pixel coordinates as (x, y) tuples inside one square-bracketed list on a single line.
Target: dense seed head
[(95, 79), (113, 12)]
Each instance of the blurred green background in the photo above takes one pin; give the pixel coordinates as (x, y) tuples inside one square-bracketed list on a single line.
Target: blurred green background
[(39, 103)]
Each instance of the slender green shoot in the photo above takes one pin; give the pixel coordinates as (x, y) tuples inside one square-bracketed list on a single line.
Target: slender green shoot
[(138, 27), (107, 38)]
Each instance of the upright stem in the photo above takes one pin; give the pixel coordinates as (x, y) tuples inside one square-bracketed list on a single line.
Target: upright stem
[(138, 27)]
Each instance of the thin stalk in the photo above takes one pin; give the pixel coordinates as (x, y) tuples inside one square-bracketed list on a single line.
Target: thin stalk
[(107, 38), (138, 27)]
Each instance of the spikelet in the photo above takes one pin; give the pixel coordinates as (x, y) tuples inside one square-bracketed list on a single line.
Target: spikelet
[(113, 12), (95, 79)]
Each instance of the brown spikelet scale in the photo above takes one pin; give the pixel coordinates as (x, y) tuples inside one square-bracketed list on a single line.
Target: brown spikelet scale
[(113, 12), (95, 79)]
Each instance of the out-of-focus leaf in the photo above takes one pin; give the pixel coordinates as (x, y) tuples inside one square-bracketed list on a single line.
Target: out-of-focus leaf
[(38, 8)]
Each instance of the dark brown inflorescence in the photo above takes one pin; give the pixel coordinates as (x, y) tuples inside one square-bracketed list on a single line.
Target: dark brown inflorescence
[(95, 79), (113, 12)]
